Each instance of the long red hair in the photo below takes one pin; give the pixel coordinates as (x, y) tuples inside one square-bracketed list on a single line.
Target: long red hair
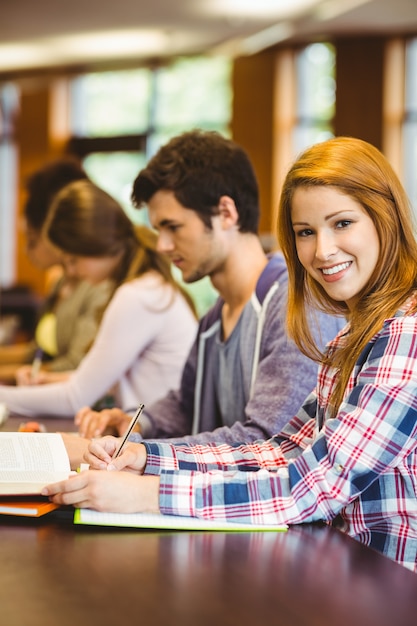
[(357, 169)]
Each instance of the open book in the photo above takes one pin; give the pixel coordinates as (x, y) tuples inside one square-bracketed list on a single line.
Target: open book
[(29, 461), (168, 522)]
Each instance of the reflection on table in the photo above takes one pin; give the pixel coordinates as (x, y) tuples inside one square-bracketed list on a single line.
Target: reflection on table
[(53, 572)]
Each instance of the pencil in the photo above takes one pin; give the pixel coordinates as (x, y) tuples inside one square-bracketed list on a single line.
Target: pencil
[(131, 426), (36, 363)]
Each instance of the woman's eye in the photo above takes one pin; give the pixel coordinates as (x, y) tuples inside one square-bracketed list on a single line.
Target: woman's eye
[(343, 223), (304, 233)]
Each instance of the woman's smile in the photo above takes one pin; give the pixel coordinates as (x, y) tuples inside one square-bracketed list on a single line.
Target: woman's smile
[(335, 272)]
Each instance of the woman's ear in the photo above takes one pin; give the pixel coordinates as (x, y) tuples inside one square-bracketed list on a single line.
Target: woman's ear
[(228, 212)]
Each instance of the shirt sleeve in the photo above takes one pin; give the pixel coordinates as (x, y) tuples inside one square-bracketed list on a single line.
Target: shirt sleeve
[(120, 340), (171, 416), (373, 433)]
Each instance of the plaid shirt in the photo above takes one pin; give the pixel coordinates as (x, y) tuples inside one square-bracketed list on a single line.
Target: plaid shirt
[(358, 470)]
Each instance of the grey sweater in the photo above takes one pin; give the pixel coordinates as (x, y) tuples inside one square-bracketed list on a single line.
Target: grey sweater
[(275, 377)]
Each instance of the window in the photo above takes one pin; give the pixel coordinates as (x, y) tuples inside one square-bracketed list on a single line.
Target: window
[(120, 119), (111, 103), (110, 121), (8, 183), (316, 95), (191, 93)]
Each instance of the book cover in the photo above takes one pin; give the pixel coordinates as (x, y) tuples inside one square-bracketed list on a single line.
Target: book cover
[(26, 506)]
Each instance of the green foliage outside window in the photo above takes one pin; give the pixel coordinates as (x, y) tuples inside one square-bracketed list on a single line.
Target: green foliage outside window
[(159, 103)]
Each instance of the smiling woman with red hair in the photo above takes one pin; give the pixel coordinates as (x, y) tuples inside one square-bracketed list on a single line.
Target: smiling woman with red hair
[(349, 456)]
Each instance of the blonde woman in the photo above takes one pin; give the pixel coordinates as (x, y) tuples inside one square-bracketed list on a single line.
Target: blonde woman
[(148, 326)]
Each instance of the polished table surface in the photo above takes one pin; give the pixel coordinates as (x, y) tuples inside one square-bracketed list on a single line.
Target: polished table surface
[(54, 573), (51, 424)]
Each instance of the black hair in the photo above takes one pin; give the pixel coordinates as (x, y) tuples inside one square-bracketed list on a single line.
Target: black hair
[(45, 183), (200, 167)]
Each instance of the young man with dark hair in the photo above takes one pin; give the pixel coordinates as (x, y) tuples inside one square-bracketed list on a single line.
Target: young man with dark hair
[(244, 378)]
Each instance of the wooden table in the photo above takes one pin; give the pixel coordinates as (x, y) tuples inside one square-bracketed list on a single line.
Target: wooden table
[(51, 424), (53, 573)]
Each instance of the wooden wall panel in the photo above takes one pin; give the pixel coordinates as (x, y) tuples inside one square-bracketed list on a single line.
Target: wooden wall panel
[(359, 92), (36, 145), (252, 116)]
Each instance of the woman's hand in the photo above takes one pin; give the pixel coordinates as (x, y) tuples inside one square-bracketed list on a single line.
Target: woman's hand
[(100, 452), (25, 376), (113, 492), (93, 423)]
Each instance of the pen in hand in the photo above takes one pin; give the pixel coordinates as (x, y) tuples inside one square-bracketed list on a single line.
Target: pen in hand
[(36, 363), (131, 426)]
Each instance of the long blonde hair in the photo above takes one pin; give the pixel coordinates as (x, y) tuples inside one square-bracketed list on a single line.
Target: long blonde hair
[(357, 169)]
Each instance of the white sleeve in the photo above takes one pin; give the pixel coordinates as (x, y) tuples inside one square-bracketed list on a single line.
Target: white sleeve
[(130, 323)]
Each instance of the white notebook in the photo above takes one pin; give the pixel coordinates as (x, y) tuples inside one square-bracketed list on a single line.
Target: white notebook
[(168, 522)]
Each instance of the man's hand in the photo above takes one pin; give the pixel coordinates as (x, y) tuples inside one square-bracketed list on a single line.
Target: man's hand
[(94, 423)]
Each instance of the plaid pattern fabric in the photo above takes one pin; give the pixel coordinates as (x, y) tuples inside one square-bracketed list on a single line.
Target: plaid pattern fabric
[(359, 467)]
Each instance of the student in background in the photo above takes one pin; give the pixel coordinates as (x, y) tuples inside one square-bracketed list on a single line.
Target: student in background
[(349, 457), (147, 328), (244, 377), (68, 318)]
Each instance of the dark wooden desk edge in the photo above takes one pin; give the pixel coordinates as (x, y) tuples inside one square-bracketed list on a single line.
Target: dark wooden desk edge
[(52, 424)]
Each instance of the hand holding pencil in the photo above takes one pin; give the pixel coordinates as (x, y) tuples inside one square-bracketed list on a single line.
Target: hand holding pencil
[(111, 453), (36, 363), (29, 374)]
